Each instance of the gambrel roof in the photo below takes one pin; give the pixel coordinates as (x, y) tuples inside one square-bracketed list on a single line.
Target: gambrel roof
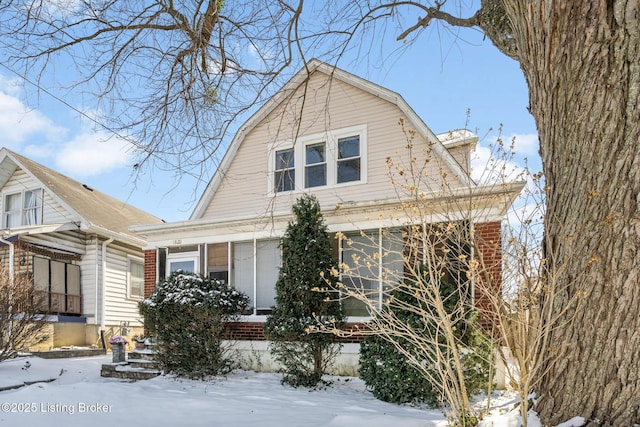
[(335, 73), (95, 211)]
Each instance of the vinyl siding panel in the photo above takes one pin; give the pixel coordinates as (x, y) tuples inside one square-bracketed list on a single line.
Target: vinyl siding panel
[(53, 212), (88, 276), (327, 106), (119, 307)]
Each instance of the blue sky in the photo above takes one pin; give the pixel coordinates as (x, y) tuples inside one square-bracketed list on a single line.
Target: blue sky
[(441, 76)]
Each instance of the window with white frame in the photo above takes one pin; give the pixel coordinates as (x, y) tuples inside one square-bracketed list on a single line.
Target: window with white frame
[(186, 262), (348, 159), (136, 278), (315, 165), (22, 208), (284, 171), (329, 159)]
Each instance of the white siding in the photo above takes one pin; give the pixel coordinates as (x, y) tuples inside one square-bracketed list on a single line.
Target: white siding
[(88, 276), (119, 307), (53, 212)]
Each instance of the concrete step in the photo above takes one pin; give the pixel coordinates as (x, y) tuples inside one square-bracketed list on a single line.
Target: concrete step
[(143, 363), (125, 370), (146, 354)]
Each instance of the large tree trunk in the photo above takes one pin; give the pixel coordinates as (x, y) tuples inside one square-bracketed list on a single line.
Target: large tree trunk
[(581, 60)]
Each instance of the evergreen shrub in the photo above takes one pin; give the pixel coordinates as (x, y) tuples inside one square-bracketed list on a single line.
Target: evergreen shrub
[(187, 315), (305, 299)]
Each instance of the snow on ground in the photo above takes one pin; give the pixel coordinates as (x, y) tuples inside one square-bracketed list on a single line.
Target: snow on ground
[(78, 396)]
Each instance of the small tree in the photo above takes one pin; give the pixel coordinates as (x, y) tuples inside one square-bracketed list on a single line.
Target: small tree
[(304, 298), (187, 313), (21, 322)]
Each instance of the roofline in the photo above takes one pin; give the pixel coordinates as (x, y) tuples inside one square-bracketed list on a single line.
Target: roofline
[(333, 71), (85, 225), (511, 189)]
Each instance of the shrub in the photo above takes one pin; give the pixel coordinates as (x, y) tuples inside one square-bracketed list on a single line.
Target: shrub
[(392, 378), (187, 314), (21, 322), (305, 299)]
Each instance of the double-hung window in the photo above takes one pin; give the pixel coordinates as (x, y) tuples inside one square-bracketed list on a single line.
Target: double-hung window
[(23, 208), (315, 165), (348, 159), (327, 159), (285, 171), (136, 278)]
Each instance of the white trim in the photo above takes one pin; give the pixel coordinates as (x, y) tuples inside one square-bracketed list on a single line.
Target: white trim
[(183, 257), (330, 138), (134, 259), (333, 72), (22, 209)]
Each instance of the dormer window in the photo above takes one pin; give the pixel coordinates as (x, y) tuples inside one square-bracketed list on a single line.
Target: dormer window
[(22, 208)]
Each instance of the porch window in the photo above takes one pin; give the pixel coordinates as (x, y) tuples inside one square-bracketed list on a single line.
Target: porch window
[(255, 272), (59, 285), (372, 264)]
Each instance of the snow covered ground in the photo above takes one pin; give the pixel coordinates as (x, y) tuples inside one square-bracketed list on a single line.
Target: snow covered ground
[(78, 396)]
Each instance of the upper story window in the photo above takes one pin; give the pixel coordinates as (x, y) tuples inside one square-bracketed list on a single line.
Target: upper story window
[(315, 165), (349, 159), (329, 159), (22, 208), (284, 171)]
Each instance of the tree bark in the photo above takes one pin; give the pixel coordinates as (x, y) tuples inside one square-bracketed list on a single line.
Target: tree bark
[(581, 60)]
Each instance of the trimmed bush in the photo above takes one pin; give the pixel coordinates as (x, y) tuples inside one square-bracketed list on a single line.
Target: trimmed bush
[(305, 299), (187, 314)]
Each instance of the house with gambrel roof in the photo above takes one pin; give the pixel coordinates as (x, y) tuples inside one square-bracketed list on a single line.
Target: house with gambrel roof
[(332, 134), (73, 243)]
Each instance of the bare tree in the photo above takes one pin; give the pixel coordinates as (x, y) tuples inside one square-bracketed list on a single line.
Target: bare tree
[(172, 76), (22, 324), (177, 67)]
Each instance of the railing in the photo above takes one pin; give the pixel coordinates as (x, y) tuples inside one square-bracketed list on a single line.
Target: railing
[(52, 302)]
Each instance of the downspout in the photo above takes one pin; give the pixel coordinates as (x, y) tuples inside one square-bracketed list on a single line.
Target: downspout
[(11, 257), (103, 290)]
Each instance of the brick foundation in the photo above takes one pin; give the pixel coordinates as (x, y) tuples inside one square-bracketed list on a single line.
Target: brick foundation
[(254, 331)]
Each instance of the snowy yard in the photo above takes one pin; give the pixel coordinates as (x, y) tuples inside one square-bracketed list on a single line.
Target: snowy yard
[(78, 396)]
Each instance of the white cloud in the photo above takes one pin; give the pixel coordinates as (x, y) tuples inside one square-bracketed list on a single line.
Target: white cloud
[(92, 153), (18, 122)]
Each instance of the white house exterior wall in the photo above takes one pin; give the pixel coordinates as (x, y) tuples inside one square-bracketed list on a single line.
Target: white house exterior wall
[(329, 105), (119, 307), (53, 212)]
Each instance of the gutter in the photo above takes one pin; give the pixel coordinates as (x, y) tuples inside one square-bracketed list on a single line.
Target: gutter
[(103, 290)]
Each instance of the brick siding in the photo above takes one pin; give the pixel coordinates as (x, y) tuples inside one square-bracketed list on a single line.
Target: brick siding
[(254, 331), (149, 272), (489, 246)]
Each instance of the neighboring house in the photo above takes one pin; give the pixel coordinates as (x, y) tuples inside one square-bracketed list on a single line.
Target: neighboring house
[(330, 133), (73, 242)]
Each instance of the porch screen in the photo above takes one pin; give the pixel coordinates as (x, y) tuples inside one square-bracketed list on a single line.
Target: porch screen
[(60, 283), (243, 269), (268, 268)]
